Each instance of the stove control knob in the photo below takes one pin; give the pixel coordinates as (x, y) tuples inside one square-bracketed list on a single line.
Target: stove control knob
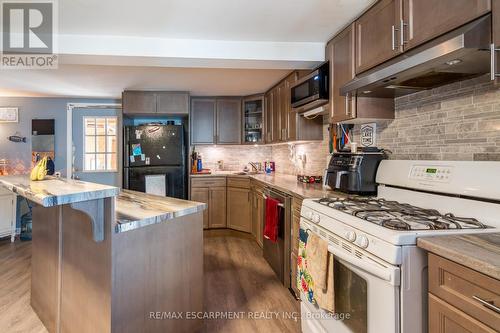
[(350, 236), (309, 215), (315, 218), (363, 241)]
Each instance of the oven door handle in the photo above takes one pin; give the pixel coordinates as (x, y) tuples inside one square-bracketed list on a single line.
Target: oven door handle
[(389, 274)]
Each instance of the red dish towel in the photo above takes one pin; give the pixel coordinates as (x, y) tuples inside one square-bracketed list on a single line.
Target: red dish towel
[(272, 219)]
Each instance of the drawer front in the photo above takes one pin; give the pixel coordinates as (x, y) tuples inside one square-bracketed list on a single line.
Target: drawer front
[(238, 182), (465, 289), (208, 182), (445, 318)]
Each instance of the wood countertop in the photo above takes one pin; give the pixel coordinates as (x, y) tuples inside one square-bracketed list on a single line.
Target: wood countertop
[(480, 252)]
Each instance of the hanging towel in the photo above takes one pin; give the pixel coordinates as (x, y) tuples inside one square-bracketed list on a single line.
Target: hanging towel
[(325, 298), (272, 219), (315, 270)]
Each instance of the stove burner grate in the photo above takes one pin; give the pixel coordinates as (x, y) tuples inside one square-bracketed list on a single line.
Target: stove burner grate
[(399, 216)]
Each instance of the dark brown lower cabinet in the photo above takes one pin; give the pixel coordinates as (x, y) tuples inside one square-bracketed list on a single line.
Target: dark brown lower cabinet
[(217, 207), (459, 298), (258, 211), (202, 194), (445, 318), (212, 191), (239, 209)]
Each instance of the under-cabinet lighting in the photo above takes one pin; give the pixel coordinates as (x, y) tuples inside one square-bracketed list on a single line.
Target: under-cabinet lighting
[(453, 62)]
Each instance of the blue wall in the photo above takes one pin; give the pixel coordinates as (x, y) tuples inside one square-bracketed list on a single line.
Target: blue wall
[(42, 108)]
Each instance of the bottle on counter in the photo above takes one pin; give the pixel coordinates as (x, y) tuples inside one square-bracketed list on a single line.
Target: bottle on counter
[(267, 167), (194, 161), (199, 164)]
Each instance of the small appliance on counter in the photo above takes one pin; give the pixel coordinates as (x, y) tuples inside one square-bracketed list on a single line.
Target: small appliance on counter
[(354, 172)]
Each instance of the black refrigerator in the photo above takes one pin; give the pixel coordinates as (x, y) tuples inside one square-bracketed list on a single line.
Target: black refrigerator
[(155, 160)]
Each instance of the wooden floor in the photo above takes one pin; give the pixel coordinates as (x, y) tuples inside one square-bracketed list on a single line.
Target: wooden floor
[(16, 314), (238, 281)]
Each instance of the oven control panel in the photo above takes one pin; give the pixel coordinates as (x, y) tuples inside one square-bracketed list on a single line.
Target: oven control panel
[(431, 173)]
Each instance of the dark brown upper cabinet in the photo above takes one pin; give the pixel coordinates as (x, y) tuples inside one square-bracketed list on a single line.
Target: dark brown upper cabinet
[(340, 52), (139, 102), (253, 119), (215, 120), (391, 27), (426, 19), (282, 123), (276, 126), (268, 116), (495, 24), (155, 102), (202, 120), (377, 33), (229, 121), (172, 102)]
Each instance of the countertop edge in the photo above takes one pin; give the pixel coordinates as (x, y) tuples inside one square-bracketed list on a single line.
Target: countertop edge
[(446, 252), (161, 218), (51, 200), (269, 183)]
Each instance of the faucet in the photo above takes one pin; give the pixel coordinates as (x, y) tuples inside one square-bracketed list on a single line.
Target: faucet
[(254, 166)]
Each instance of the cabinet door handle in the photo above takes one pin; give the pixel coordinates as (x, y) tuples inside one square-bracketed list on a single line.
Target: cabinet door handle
[(402, 26), (487, 304), (393, 36), (347, 104), (493, 65)]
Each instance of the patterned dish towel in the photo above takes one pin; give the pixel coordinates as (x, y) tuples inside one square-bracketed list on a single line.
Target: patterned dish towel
[(315, 276)]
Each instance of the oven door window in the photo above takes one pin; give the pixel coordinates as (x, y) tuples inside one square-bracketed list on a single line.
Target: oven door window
[(351, 296), (363, 303)]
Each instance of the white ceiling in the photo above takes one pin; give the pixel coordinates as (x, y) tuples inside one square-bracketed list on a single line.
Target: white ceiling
[(110, 81), (208, 47), (235, 20)]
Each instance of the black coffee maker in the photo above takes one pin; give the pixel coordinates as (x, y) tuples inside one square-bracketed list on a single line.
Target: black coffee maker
[(354, 173)]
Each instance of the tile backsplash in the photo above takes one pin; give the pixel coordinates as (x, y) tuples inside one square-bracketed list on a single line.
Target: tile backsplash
[(459, 121), (235, 157), (288, 161)]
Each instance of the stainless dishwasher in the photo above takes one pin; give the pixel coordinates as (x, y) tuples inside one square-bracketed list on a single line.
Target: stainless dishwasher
[(278, 254)]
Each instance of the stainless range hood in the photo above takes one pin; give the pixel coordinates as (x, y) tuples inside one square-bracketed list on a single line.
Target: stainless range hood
[(461, 54)]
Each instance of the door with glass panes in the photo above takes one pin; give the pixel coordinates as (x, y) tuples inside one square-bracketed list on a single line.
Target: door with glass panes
[(97, 146)]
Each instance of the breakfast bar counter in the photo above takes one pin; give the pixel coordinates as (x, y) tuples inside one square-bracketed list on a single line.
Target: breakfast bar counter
[(104, 260)]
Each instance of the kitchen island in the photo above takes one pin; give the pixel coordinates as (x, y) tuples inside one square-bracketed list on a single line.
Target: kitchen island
[(105, 261)]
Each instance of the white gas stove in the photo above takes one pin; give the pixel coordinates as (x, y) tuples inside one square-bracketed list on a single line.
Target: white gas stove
[(375, 238)]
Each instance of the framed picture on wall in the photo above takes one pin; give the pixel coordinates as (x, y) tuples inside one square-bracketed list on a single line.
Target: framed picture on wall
[(9, 115)]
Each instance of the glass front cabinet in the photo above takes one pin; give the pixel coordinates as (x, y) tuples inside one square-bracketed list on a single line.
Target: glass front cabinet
[(253, 116)]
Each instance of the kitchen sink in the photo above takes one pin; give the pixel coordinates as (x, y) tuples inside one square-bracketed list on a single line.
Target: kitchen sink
[(242, 173)]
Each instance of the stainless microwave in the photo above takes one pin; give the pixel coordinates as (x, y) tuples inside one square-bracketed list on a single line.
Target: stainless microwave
[(311, 90)]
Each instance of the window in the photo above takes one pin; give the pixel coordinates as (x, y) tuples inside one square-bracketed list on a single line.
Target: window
[(100, 141)]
